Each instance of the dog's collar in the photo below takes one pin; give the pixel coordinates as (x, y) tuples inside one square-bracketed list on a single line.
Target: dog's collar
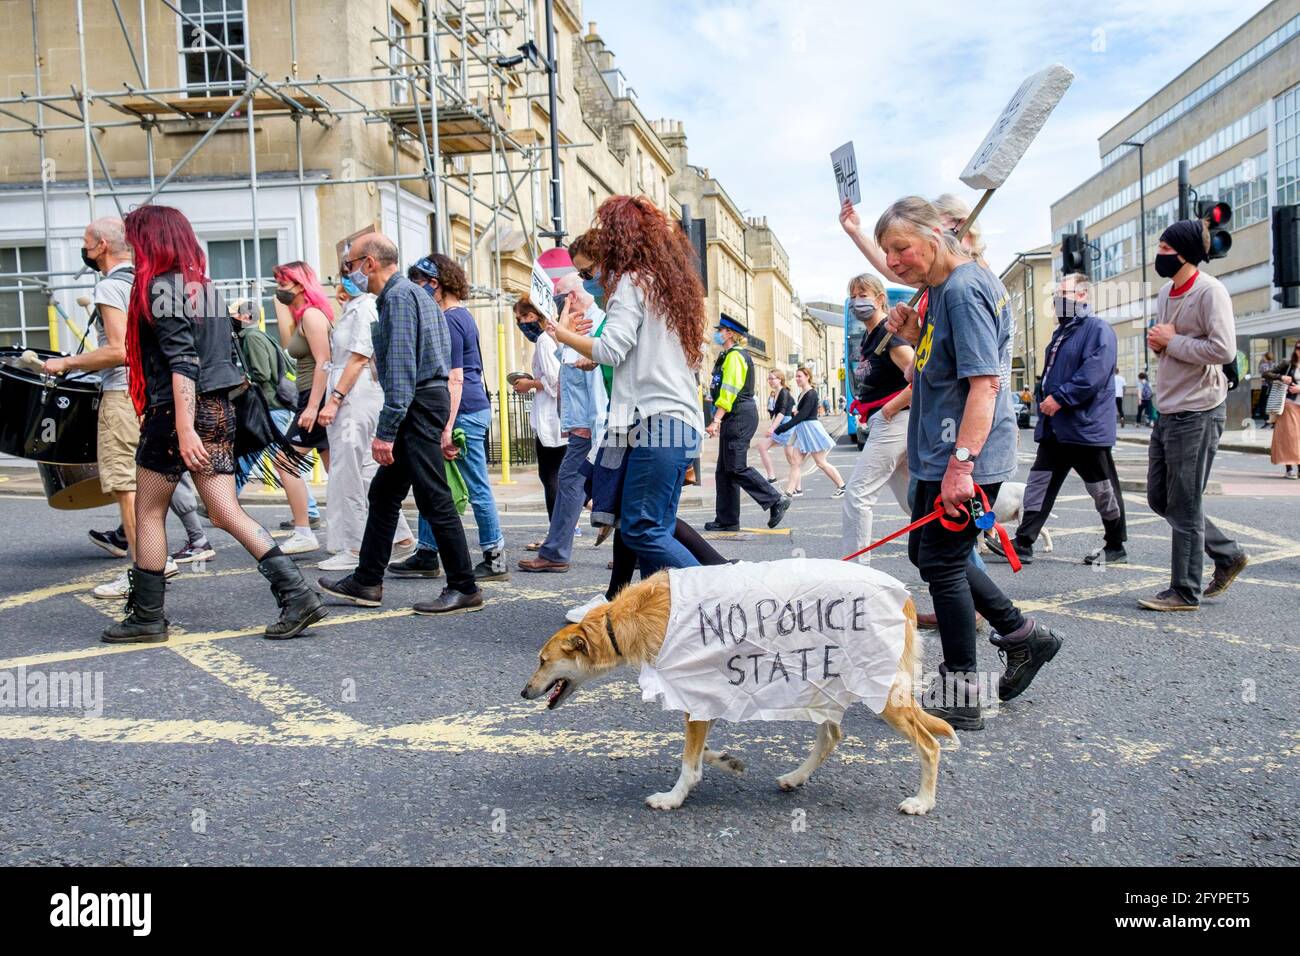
[(609, 630)]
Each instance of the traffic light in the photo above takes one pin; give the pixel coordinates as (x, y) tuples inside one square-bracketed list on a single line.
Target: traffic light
[(1216, 215), (1075, 254), (1286, 254)]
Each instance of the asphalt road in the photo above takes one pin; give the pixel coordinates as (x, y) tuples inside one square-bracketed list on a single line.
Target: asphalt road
[(389, 739)]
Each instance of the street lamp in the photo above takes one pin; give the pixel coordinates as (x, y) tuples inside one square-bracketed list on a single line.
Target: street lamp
[(1142, 241)]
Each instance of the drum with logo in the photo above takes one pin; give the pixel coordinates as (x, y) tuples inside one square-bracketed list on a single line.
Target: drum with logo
[(46, 418)]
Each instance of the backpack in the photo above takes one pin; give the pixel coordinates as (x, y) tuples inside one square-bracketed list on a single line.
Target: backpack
[(286, 392)]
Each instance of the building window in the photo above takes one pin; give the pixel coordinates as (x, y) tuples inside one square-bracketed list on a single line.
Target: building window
[(1118, 249), (1288, 147), (399, 60), (234, 271), (207, 68), (23, 317)]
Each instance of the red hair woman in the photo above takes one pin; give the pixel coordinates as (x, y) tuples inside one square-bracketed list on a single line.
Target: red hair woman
[(305, 319), (654, 338), (182, 371)]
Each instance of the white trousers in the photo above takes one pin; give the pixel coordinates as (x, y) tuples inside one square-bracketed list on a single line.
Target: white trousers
[(352, 467), (883, 460)]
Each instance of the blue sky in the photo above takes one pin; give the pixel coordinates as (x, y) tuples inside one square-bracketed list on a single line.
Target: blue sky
[(767, 88)]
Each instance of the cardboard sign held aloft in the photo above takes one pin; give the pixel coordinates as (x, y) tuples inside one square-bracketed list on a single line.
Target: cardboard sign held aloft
[(845, 164), (1016, 127), (541, 291)]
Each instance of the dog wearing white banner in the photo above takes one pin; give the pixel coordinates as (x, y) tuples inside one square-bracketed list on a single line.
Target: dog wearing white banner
[(784, 640)]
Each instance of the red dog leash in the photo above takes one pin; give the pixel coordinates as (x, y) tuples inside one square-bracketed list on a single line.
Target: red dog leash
[(977, 509)]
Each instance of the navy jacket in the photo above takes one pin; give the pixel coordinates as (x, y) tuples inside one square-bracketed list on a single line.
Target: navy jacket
[(1082, 380)]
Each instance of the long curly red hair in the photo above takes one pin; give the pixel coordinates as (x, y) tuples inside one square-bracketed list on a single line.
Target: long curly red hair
[(633, 237)]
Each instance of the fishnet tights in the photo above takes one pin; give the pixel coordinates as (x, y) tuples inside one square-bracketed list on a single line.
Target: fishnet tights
[(153, 495)]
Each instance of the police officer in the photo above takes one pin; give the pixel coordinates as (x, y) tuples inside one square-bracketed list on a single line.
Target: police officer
[(735, 418)]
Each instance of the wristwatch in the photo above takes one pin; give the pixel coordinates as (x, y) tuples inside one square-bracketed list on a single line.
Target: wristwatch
[(339, 395), (963, 455)]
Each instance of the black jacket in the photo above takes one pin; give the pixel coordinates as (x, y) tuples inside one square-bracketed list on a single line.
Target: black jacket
[(189, 338), (805, 411)]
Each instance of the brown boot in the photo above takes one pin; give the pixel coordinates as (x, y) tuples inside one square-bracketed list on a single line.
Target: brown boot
[(541, 564)]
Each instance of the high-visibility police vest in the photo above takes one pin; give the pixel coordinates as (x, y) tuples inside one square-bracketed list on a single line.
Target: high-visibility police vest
[(746, 392)]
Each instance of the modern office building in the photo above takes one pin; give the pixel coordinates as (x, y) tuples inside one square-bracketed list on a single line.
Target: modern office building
[(1234, 116)]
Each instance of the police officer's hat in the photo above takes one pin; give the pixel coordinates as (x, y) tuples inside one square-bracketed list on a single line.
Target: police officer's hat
[(727, 322)]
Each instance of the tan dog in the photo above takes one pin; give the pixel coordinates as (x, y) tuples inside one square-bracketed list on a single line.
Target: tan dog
[(631, 629)]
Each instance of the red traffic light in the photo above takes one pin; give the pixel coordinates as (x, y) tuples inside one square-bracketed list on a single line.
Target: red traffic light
[(1217, 214)]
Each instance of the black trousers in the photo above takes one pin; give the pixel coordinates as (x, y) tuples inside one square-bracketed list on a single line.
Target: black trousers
[(548, 470), (957, 588), (733, 471), (625, 559), (1095, 465), (418, 463)]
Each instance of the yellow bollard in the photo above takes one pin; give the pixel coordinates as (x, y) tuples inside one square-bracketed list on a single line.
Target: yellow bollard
[(52, 314), (317, 474), (503, 388)]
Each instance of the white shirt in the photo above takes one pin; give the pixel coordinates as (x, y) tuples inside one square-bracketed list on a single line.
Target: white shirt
[(545, 417), (1119, 386)]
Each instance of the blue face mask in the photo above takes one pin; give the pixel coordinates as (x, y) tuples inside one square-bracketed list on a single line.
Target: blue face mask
[(594, 288), (350, 287), (532, 330), (428, 287), (718, 339)]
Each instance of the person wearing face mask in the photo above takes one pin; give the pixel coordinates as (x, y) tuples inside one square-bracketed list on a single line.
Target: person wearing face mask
[(304, 319), (1194, 335), (412, 353), (446, 281), (1076, 427), (882, 402), (735, 419), (544, 384)]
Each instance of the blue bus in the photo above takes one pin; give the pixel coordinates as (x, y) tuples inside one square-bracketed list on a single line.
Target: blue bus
[(853, 332)]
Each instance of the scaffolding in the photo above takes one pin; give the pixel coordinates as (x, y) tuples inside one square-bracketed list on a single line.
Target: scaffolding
[(452, 116)]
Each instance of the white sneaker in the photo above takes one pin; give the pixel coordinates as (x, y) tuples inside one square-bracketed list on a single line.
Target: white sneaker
[(400, 553), (343, 561), (299, 543), (575, 615), (116, 590)]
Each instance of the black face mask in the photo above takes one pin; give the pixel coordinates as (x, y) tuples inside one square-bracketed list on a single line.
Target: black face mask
[(1168, 264), (90, 263), (285, 296)]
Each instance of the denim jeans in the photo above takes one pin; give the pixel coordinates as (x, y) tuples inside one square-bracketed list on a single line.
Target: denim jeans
[(1180, 457), (474, 469), (571, 495), (660, 448), (283, 418)]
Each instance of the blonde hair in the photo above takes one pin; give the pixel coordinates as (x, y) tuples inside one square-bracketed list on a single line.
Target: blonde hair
[(867, 283), (958, 210), (778, 375), (920, 218)]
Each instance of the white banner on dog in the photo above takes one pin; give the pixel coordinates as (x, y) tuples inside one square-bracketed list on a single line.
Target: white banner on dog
[(782, 640)]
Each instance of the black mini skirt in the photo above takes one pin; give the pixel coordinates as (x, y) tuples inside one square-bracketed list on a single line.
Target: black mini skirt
[(214, 420)]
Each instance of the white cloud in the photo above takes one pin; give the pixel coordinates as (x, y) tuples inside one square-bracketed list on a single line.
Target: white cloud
[(768, 88)]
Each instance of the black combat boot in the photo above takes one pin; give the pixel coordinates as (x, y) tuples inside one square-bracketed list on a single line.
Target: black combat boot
[(300, 606), (144, 622)]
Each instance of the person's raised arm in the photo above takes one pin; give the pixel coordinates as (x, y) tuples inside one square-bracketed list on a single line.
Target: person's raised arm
[(865, 242)]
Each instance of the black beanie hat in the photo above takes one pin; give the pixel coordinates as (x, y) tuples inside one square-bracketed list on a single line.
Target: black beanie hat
[(1187, 238)]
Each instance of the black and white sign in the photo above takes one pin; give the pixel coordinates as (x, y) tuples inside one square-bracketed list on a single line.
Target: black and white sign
[(845, 164)]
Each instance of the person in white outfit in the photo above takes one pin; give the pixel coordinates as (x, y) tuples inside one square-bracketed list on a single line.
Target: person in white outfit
[(350, 416), (883, 397)]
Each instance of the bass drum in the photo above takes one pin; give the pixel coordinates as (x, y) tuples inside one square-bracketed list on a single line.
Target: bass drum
[(46, 419), (72, 487)]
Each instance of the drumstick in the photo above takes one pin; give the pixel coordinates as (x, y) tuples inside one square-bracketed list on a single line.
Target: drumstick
[(32, 362)]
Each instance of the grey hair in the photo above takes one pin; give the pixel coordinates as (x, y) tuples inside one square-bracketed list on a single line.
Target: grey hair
[(920, 218), (957, 209), (113, 231), (378, 246)]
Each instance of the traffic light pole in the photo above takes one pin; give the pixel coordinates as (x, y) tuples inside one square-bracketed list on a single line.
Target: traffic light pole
[(1142, 241)]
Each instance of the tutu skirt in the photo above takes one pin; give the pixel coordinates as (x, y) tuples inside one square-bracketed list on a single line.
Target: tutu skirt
[(783, 438), (810, 437)]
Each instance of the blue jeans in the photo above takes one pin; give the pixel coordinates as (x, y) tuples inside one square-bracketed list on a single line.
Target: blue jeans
[(660, 449), (283, 418), (474, 469), (570, 497)]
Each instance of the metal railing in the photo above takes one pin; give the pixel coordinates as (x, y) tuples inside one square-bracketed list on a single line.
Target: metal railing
[(523, 448)]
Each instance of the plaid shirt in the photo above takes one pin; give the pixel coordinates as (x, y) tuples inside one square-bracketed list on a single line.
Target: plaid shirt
[(412, 348)]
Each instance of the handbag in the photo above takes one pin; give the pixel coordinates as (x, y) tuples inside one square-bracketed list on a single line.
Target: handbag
[(1276, 398)]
